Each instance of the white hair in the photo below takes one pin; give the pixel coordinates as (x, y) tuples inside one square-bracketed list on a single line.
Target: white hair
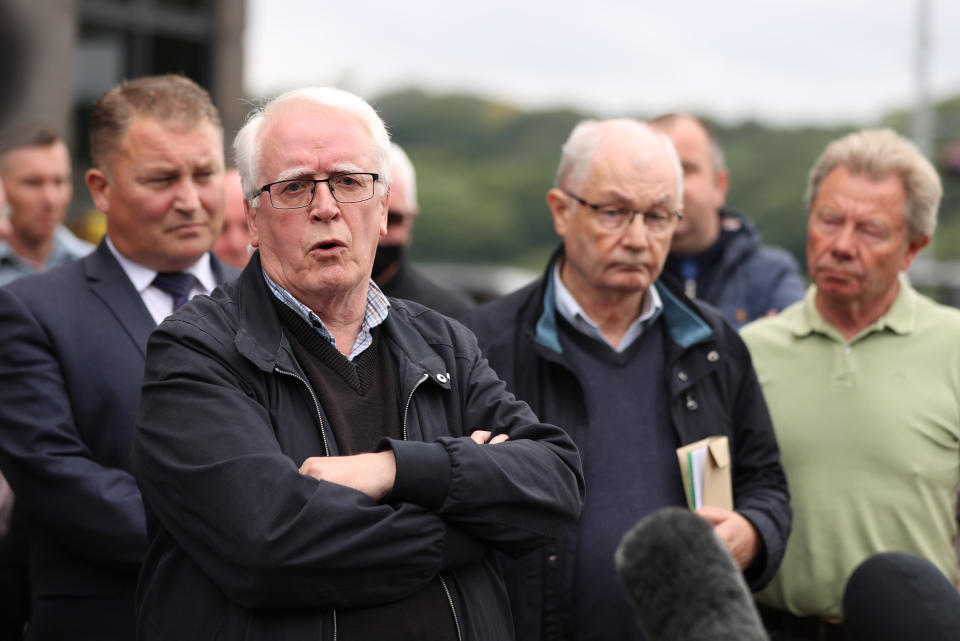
[(403, 172), (587, 137), (248, 147)]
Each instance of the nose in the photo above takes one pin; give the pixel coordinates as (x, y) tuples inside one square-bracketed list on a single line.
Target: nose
[(635, 233), (52, 193), (324, 206), (187, 197), (845, 242)]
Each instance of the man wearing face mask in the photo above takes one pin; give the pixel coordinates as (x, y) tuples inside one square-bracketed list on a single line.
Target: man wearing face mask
[(392, 271)]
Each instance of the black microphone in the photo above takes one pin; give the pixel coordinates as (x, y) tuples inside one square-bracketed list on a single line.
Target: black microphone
[(895, 596), (683, 583)]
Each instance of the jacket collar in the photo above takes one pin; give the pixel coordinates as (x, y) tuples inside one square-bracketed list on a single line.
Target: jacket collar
[(421, 358), (108, 282), (684, 325), (260, 336)]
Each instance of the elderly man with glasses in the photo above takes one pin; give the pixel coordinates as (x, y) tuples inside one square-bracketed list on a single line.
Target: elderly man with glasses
[(632, 369), (318, 461)]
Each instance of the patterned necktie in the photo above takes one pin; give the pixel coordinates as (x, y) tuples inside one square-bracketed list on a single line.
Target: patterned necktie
[(177, 284)]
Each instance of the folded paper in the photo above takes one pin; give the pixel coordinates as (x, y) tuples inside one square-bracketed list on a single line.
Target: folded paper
[(705, 470)]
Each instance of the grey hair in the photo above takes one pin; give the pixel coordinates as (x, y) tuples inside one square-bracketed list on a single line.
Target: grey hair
[(878, 153), (666, 121), (579, 149), (247, 146), (403, 171)]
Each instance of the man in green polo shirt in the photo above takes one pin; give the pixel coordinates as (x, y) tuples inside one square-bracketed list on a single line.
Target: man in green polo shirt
[(862, 378)]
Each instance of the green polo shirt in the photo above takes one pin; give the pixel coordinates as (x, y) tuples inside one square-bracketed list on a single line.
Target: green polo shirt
[(869, 435)]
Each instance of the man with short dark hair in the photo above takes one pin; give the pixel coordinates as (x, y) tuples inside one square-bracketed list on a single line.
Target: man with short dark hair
[(73, 352), (392, 270), (36, 176), (716, 251), (320, 462), (863, 381), (632, 369)]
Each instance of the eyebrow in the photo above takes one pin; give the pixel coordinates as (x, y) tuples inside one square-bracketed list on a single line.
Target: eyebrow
[(296, 172), (662, 201), (302, 172)]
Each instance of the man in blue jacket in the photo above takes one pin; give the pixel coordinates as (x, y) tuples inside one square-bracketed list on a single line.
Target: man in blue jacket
[(716, 252), (318, 461), (632, 369)]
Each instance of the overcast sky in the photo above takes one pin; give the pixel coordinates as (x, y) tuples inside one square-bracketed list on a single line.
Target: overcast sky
[(782, 61)]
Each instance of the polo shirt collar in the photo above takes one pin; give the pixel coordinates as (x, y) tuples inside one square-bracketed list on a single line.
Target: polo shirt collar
[(899, 319)]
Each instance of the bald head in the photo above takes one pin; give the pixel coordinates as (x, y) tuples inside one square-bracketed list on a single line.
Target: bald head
[(638, 142)]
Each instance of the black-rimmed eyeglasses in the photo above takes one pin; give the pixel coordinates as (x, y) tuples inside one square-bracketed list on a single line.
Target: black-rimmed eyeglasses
[(615, 219), (299, 192)]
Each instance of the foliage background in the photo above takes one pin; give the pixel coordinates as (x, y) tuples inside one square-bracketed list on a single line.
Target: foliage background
[(484, 167)]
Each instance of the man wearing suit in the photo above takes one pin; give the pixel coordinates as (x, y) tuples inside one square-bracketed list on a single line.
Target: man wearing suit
[(72, 357)]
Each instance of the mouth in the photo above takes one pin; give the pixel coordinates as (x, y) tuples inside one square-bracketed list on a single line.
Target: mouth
[(327, 246), (185, 228)]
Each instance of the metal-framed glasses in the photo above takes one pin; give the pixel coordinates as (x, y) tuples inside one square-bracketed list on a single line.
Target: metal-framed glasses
[(615, 219), (299, 192)]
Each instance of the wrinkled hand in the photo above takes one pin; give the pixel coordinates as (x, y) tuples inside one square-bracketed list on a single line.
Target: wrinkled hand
[(482, 436), (736, 532), (373, 474)]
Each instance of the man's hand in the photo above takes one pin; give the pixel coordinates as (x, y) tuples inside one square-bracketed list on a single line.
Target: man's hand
[(736, 532), (373, 474), (482, 436)]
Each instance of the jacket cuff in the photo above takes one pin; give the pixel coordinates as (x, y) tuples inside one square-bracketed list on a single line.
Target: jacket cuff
[(424, 472), (459, 549), (760, 571)]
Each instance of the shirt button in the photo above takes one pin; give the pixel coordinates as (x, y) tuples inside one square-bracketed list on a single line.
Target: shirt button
[(442, 378), (682, 376), (692, 404), (552, 558), (713, 356)]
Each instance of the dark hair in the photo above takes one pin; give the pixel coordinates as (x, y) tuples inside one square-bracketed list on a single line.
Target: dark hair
[(29, 135), (168, 98)]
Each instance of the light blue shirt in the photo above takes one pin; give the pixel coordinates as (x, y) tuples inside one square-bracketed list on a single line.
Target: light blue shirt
[(66, 248), (569, 308)]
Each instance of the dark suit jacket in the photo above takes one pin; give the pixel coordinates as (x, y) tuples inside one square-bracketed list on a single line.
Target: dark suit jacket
[(72, 346)]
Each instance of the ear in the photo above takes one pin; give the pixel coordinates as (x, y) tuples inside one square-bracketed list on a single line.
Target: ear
[(913, 248), (251, 216), (384, 210), (721, 183), (99, 186), (559, 204)]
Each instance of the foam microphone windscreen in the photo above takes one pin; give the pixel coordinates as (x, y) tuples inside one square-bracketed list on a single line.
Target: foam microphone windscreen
[(683, 583), (895, 596)]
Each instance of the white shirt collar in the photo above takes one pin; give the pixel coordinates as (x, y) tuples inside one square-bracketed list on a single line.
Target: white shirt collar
[(142, 277)]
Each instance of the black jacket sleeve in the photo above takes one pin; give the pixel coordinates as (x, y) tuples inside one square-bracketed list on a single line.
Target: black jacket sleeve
[(515, 495)]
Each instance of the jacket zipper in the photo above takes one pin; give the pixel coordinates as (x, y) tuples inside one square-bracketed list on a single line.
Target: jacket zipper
[(443, 583), (456, 620), (326, 447), (406, 408)]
